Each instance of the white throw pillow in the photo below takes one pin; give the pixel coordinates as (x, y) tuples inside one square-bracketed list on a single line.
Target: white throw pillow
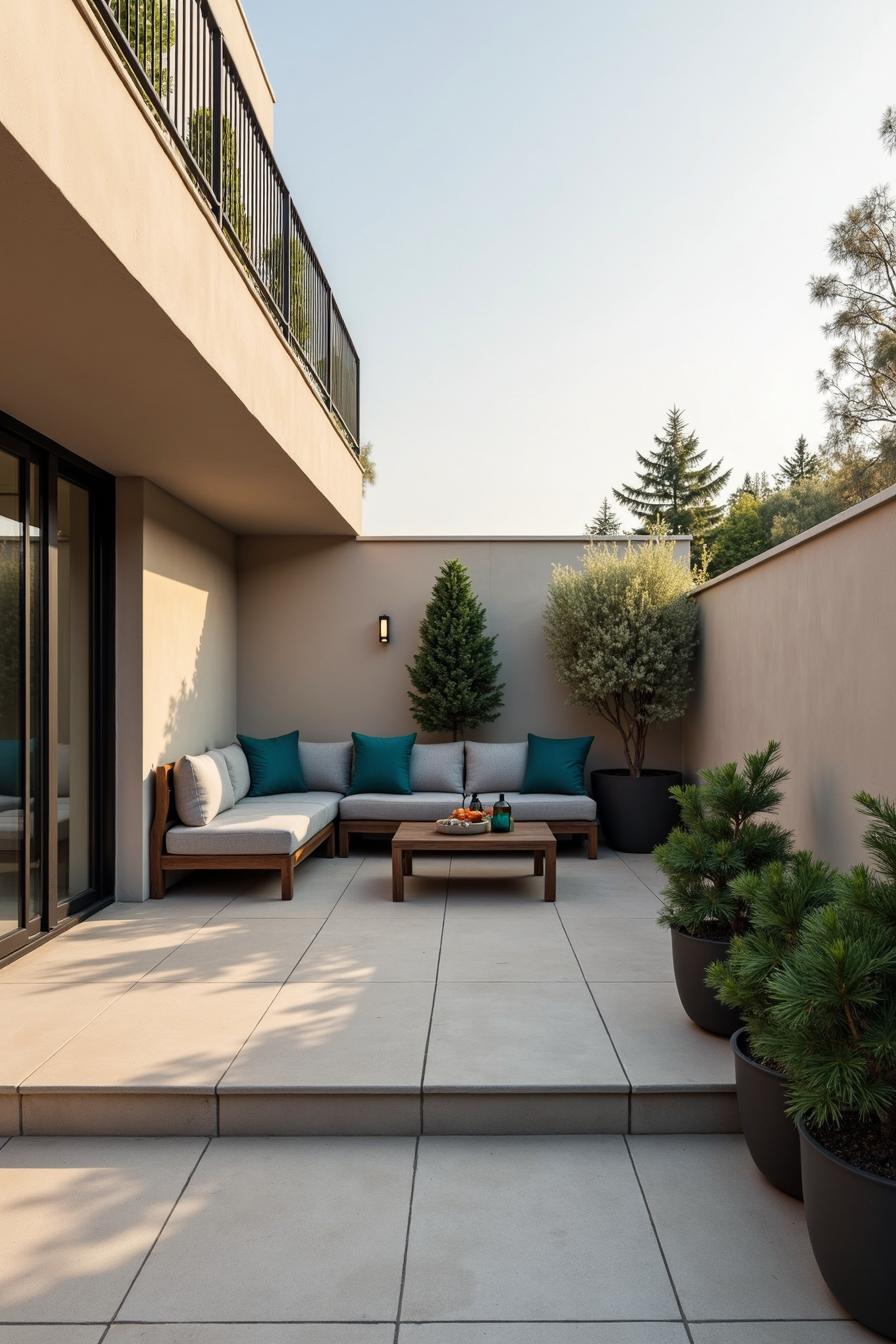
[(202, 788)]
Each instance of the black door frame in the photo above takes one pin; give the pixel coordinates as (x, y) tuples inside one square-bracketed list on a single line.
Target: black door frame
[(53, 461)]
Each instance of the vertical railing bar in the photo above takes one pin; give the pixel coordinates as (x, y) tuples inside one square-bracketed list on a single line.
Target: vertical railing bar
[(217, 120), (286, 266)]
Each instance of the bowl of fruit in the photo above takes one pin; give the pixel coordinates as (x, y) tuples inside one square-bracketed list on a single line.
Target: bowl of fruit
[(464, 821)]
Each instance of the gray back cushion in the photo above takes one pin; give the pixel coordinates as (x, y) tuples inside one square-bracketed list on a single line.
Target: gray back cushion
[(202, 788), (238, 769), (326, 766), (437, 767), (495, 767)]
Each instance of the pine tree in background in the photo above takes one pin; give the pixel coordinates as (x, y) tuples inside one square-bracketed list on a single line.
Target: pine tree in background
[(455, 672), (800, 465), (756, 485), (675, 484), (605, 522)]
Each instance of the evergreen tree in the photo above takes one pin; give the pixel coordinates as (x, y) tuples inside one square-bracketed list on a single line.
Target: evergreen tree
[(740, 535), (860, 382), (833, 1014), (718, 839), (777, 899), (800, 465), (605, 522), (675, 484), (455, 672)]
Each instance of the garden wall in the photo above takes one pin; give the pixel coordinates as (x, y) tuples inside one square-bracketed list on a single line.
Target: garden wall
[(800, 644), (309, 656)]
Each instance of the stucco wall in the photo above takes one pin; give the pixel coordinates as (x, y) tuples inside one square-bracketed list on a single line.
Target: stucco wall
[(177, 646), (309, 656), (126, 306), (800, 645)]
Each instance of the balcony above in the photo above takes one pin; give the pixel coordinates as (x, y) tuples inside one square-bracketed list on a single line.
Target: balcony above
[(167, 316)]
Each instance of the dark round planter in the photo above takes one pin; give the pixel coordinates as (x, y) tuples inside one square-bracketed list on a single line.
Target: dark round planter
[(635, 812), (690, 959), (770, 1134), (851, 1217)]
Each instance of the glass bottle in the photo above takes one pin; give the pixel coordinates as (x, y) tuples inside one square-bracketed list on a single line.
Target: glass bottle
[(502, 815)]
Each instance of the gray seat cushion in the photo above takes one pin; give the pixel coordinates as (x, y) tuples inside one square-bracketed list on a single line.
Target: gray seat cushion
[(398, 806), (326, 766), (437, 767), (547, 806), (492, 766), (275, 825)]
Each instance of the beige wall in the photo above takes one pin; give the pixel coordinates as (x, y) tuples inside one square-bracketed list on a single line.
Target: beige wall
[(800, 645), (177, 647), (130, 333), (308, 651)]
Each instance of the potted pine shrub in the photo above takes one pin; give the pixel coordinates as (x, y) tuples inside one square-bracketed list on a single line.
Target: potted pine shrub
[(777, 899), (834, 1011), (622, 633), (720, 837)]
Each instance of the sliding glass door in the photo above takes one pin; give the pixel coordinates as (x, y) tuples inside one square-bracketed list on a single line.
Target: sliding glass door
[(55, 689)]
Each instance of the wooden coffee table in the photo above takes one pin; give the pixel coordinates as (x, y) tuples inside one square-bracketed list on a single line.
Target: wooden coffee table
[(527, 837)]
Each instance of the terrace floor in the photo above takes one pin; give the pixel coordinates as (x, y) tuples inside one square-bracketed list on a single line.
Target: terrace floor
[(582, 1239), (472, 1008)]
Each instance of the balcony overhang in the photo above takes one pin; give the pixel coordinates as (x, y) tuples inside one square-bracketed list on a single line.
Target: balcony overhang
[(130, 333)]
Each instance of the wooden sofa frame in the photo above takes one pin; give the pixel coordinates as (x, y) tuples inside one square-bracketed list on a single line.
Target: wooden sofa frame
[(358, 826), (160, 862)]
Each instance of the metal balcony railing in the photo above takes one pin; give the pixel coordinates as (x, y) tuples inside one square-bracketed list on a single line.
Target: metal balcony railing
[(178, 56)]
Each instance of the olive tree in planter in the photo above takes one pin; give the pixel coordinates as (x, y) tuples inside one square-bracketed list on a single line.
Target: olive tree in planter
[(721, 837), (833, 1029), (622, 632), (777, 900)]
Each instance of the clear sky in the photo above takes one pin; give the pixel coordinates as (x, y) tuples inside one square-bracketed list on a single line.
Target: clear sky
[(547, 222)]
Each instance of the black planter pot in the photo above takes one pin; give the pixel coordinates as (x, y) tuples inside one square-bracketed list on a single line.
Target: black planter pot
[(851, 1217), (690, 959), (635, 813), (770, 1134)]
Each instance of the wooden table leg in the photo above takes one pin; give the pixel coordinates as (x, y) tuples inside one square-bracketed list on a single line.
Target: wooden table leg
[(407, 866), (539, 863), (397, 872), (550, 872)]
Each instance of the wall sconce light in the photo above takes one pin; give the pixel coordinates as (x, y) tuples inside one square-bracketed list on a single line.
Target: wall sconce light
[(384, 630)]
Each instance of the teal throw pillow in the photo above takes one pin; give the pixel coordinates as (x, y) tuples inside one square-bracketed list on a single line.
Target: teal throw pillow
[(556, 764), (382, 764), (274, 765)]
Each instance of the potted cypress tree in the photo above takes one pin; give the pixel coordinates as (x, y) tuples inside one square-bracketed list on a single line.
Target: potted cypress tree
[(834, 1018), (777, 899), (719, 839), (622, 633)]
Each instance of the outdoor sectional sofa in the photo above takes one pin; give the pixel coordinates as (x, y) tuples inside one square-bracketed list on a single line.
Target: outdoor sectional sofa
[(205, 817)]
